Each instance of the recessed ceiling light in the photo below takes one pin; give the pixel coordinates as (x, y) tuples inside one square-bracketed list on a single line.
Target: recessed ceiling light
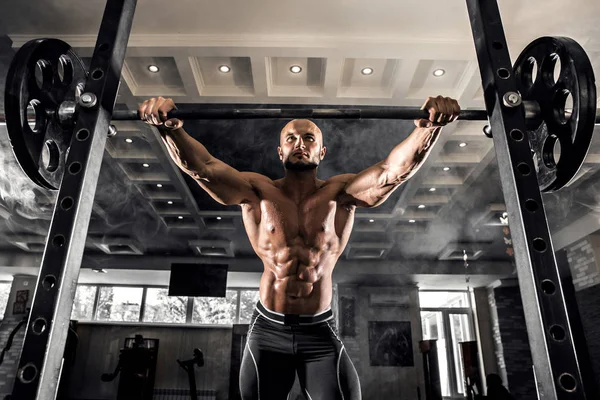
[(219, 218), (411, 221), (432, 190), (462, 144), (446, 168), (169, 202), (128, 140), (99, 270), (439, 72), (180, 217), (158, 185), (146, 165), (224, 68), (153, 68), (366, 71), (371, 220), (421, 206), (295, 69)]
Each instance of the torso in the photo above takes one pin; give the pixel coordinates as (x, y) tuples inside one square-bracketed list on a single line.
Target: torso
[(298, 243)]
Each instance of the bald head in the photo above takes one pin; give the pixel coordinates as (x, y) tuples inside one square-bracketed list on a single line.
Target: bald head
[(301, 126), (301, 145)]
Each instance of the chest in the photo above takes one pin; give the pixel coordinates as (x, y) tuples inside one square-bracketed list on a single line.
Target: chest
[(318, 215)]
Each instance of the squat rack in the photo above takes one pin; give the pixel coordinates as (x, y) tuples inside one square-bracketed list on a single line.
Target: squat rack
[(561, 370)]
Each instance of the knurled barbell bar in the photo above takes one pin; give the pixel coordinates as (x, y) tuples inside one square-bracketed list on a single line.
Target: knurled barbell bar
[(45, 88)]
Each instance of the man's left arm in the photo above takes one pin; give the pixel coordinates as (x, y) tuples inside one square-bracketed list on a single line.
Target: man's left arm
[(375, 184)]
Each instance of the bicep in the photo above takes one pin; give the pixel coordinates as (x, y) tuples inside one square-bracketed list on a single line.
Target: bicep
[(226, 184)]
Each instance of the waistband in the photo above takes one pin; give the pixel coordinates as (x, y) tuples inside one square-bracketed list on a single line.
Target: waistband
[(293, 319)]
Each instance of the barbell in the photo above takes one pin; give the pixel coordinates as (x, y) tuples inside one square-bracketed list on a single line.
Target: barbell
[(45, 89)]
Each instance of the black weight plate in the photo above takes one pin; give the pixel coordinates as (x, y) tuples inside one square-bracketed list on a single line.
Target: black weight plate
[(574, 132), (41, 149)]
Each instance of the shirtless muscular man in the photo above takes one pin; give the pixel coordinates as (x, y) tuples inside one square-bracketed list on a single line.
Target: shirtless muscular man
[(298, 226)]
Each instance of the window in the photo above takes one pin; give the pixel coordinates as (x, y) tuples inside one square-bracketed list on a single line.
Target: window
[(124, 304), (119, 303), (160, 307), (248, 299), (215, 310), (446, 316), (83, 305), (4, 294)]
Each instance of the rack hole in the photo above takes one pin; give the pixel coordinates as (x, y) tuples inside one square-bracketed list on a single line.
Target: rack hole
[(531, 205), (516, 135), (539, 245), (548, 287), (97, 74), (83, 134), (558, 333), (524, 169), (75, 168), (567, 382), (497, 45), (503, 73), (58, 241), (49, 282), (39, 326), (66, 203), (28, 373), (103, 47)]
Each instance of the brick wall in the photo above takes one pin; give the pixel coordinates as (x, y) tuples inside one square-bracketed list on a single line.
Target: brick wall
[(511, 337), (8, 369)]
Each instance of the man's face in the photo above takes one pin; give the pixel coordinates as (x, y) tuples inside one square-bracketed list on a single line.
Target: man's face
[(301, 145)]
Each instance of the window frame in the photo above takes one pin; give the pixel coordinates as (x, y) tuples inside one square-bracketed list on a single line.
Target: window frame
[(189, 309)]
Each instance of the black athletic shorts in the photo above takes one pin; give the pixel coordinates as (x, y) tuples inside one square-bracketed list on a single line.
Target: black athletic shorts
[(279, 346)]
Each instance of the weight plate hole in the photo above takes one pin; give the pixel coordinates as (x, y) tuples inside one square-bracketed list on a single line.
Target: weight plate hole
[(529, 72), (50, 156), (49, 282), (563, 106), (497, 45), (74, 168), (36, 118), (516, 135), (548, 287), (551, 69), (39, 326), (43, 75), (28, 373), (65, 70), (539, 245), (567, 382), (83, 134), (551, 151), (503, 73), (103, 47), (524, 169), (531, 205), (58, 241), (66, 203), (97, 74), (558, 333)]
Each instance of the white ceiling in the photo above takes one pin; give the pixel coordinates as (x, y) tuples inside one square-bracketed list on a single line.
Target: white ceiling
[(403, 41)]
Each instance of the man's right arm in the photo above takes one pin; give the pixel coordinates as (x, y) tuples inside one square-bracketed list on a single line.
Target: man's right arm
[(222, 182)]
